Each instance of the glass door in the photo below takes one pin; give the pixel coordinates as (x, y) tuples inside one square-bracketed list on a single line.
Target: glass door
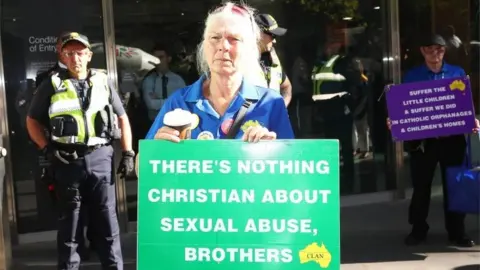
[(29, 36)]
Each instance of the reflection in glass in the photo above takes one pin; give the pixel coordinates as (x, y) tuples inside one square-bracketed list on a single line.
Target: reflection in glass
[(339, 42), (29, 37)]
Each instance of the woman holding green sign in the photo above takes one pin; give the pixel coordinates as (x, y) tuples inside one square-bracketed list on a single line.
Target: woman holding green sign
[(223, 103)]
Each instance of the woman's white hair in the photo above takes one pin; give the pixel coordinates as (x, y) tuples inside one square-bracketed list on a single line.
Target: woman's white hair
[(250, 65)]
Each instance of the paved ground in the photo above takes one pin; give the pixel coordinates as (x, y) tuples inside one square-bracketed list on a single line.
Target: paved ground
[(372, 238)]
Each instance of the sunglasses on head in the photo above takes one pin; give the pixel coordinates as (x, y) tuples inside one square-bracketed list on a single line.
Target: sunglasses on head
[(240, 10), (236, 8)]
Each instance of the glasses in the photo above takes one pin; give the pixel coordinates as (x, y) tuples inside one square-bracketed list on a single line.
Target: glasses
[(76, 53)]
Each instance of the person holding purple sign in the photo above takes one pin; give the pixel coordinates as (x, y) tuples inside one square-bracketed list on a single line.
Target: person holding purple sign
[(426, 154)]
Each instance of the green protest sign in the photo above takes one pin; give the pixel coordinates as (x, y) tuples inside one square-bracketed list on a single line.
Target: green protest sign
[(220, 204)]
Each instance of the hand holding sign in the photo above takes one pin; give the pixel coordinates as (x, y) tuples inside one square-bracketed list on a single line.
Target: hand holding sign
[(256, 133), (389, 124)]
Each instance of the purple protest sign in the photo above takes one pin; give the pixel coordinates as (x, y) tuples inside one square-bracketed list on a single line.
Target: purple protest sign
[(430, 109)]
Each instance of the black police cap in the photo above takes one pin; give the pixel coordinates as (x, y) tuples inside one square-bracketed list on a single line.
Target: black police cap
[(269, 25), (74, 36)]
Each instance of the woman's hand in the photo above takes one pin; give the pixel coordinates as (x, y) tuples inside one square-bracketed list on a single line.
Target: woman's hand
[(255, 134), (168, 134), (389, 124)]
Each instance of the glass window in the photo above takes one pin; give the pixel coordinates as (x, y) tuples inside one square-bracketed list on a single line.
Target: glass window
[(333, 52), (460, 29), (347, 34), (29, 36), (149, 32)]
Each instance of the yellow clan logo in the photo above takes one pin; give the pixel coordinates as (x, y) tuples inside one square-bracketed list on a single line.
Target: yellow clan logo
[(316, 254), (457, 85), (74, 35), (250, 123)]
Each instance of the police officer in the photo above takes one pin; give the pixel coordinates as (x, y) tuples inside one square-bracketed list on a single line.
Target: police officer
[(80, 109), (425, 154), (272, 75), (47, 173), (336, 83)]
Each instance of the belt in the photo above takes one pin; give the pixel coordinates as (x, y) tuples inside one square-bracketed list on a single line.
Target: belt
[(80, 150), (90, 149)]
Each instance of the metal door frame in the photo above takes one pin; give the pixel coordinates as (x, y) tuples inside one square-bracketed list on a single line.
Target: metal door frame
[(110, 54), (8, 224), (393, 66), (9, 185)]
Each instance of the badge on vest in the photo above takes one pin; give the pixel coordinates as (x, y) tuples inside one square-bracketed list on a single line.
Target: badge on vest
[(205, 135), (225, 127)]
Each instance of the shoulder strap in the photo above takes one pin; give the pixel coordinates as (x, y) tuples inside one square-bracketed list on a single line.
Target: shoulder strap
[(233, 131)]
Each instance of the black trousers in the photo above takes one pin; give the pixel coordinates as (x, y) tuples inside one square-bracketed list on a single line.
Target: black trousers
[(449, 151), (338, 124), (82, 223), (88, 181), (301, 115)]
